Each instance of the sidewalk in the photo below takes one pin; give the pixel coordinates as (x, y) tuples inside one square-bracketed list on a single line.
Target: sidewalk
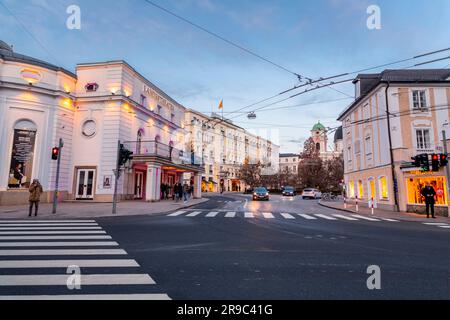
[(94, 210), (364, 211)]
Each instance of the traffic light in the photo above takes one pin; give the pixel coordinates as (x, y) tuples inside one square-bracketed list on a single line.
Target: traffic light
[(424, 162), (55, 153), (416, 161), (435, 162), (124, 155), (443, 160)]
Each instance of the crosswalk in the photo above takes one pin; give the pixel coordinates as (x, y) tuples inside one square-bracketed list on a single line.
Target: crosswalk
[(272, 216), (440, 225), (39, 259)]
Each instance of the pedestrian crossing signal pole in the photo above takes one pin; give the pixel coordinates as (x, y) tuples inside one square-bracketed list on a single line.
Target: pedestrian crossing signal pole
[(447, 171), (57, 154), (116, 179)]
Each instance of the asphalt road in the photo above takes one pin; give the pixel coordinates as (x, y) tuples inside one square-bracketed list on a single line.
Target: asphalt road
[(233, 248)]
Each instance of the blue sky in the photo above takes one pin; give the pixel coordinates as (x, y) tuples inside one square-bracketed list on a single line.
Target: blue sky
[(312, 38)]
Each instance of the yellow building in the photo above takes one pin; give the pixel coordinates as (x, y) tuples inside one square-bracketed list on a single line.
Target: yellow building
[(397, 115)]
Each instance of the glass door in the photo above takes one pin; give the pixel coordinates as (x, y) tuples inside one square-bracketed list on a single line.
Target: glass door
[(85, 184), (138, 183)]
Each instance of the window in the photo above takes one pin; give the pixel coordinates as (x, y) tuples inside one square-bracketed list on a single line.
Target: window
[(143, 100), (294, 168), (349, 154), (368, 145), (419, 100), (317, 146), (360, 189), (384, 189), (415, 186), (423, 139), (351, 189), (357, 147), (159, 109)]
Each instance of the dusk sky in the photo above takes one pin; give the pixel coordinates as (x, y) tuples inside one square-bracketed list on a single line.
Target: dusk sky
[(311, 38)]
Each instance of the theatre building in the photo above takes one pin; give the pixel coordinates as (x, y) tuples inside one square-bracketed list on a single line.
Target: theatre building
[(92, 110), (397, 115)]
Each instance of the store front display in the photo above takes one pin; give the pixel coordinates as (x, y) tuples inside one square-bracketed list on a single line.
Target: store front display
[(416, 184)]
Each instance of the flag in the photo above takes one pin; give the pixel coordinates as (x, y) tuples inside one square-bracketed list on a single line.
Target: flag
[(221, 105)]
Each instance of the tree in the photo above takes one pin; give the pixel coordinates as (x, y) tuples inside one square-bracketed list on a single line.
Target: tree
[(334, 169), (311, 170), (250, 173)]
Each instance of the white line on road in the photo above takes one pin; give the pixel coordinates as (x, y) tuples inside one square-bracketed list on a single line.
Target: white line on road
[(176, 214), (268, 215), (288, 216), (49, 224), (344, 217), (435, 224), (25, 264), (307, 217), (49, 232), (86, 280), (52, 228), (47, 221), (390, 220), (55, 237), (249, 215), (94, 297), (230, 215), (364, 218), (445, 227), (59, 244), (325, 217), (63, 252), (194, 214), (212, 214)]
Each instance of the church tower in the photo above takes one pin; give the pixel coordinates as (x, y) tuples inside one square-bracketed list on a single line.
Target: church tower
[(319, 135)]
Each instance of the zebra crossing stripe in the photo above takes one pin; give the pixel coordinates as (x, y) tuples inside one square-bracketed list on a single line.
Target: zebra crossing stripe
[(51, 228), (70, 237), (108, 263), (60, 244), (344, 217), (325, 217), (31, 222), (249, 215), (390, 220), (48, 225), (435, 224), (62, 252), (194, 214), (268, 215), (212, 214), (287, 216), (49, 232), (307, 217), (364, 218), (445, 227), (230, 215), (94, 297), (176, 214), (86, 280)]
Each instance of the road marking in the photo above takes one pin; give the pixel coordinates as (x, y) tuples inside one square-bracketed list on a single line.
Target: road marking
[(212, 214), (194, 214), (445, 227), (55, 237), (176, 214), (364, 218), (52, 228), (249, 215), (48, 224), (308, 217), (287, 216), (63, 252), (25, 264), (86, 280), (95, 297), (245, 204), (325, 217), (47, 221), (50, 232), (59, 244), (230, 215), (268, 215), (435, 224), (390, 220), (344, 217)]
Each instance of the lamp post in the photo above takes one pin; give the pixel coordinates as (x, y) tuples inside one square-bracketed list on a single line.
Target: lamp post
[(447, 169)]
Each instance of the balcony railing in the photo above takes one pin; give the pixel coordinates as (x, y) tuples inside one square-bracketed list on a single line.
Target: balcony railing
[(164, 151)]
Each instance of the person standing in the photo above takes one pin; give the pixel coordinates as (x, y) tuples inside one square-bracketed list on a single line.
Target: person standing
[(35, 196), (180, 191), (429, 194), (185, 191)]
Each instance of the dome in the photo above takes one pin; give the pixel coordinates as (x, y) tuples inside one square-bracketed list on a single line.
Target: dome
[(338, 135), (319, 127), (5, 46)]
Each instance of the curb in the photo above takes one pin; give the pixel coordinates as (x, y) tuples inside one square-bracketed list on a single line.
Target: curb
[(339, 209)]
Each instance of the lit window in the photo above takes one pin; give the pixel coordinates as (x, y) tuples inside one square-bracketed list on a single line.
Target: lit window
[(351, 189), (384, 188), (360, 189), (415, 186)]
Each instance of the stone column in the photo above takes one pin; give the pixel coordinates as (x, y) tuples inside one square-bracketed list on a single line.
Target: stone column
[(153, 183), (197, 185)]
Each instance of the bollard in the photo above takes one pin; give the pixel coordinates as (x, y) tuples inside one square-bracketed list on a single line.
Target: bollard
[(345, 203), (372, 206), (357, 207)]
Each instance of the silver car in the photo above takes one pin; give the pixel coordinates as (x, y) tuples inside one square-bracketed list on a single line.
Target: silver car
[(311, 193)]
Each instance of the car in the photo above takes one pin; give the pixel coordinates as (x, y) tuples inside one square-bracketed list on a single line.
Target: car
[(288, 192), (311, 193), (261, 193)]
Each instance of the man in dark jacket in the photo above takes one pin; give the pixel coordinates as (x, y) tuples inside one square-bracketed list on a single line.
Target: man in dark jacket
[(429, 194), (35, 196)]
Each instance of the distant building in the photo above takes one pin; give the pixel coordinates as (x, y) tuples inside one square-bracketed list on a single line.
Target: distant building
[(289, 162)]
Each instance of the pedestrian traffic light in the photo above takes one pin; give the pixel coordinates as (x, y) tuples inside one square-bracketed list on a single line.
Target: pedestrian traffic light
[(435, 162), (443, 160), (424, 162), (124, 155), (416, 161), (55, 153)]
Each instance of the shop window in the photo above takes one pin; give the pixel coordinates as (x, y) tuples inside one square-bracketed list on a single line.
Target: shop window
[(360, 189), (351, 189), (415, 186), (384, 188), (22, 155)]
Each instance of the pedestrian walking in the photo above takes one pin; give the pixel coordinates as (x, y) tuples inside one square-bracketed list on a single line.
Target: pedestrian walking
[(163, 191), (186, 189), (180, 191), (429, 194), (35, 196), (191, 191)]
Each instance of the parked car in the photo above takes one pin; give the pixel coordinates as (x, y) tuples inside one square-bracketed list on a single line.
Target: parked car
[(288, 192), (261, 193), (311, 193)]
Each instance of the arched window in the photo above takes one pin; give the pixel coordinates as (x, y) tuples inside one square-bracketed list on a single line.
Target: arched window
[(318, 146), (139, 141), (22, 154)]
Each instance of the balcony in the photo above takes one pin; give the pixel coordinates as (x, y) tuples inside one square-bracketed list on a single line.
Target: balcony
[(155, 149)]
